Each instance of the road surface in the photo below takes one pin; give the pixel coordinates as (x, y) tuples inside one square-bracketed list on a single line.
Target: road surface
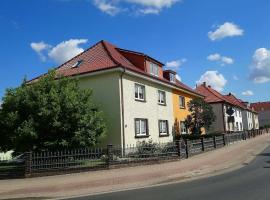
[(252, 182)]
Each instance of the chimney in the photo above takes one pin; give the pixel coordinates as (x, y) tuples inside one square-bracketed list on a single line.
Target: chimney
[(204, 84), (209, 86), (230, 94)]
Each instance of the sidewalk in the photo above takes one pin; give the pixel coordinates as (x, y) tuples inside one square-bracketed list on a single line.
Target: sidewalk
[(203, 165)]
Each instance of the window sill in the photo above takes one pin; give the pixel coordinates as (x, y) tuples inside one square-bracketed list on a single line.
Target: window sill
[(162, 104), (167, 135), (182, 107), (141, 136), (140, 100)]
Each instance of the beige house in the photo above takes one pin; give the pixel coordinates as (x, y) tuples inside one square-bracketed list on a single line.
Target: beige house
[(131, 90)]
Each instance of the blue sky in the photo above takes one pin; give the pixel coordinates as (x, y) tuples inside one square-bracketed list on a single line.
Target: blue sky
[(224, 42)]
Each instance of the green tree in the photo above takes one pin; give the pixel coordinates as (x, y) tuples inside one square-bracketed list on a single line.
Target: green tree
[(49, 114), (201, 115)]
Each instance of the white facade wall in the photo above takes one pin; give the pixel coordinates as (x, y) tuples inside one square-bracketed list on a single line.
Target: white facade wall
[(256, 124), (248, 120), (238, 117), (150, 110)]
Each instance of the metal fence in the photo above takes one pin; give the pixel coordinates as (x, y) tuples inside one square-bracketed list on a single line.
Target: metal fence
[(68, 161)]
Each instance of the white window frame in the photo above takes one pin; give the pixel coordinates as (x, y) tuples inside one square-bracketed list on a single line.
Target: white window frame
[(143, 131), (237, 126), (139, 89), (163, 127), (241, 126), (154, 69), (172, 77), (180, 124), (182, 102), (160, 99)]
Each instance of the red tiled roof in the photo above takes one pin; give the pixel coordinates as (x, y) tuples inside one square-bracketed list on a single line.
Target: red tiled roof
[(261, 106), (236, 101), (103, 56), (211, 95)]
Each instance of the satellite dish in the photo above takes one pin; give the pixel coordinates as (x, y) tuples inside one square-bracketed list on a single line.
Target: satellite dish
[(230, 111)]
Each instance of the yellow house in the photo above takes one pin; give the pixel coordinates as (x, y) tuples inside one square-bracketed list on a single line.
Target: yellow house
[(180, 108)]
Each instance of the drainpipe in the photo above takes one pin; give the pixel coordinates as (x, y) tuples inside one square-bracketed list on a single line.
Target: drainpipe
[(223, 117), (122, 108)]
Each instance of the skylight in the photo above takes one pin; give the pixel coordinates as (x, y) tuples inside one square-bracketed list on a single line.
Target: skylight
[(77, 64)]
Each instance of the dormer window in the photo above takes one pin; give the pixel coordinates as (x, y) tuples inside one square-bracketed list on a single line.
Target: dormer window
[(172, 78), (153, 69), (77, 64)]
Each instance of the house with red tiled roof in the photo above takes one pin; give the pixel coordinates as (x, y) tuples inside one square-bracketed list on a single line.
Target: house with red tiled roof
[(228, 112), (132, 89), (249, 115), (263, 108)]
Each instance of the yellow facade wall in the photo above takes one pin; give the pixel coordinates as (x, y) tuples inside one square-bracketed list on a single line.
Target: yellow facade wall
[(180, 114)]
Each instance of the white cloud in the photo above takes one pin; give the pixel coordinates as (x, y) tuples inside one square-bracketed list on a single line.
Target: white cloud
[(66, 50), (113, 7), (224, 60), (40, 47), (176, 63), (147, 11), (260, 72), (178, 77), (214, 57), (107, 7), (247, 93), (61, 52), (228, 29), (227, 60), (214, 79), (154, 3)]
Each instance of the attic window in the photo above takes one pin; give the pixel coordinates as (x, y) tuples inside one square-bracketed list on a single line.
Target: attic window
[(172, 77), (77, 64), (153, 69)]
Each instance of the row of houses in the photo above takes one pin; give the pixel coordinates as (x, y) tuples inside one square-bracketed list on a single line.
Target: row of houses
[(263, 108), (142, 101)]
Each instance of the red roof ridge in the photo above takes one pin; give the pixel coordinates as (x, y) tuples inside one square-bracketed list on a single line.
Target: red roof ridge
[(104, 43), (214, 93), (139, 53)]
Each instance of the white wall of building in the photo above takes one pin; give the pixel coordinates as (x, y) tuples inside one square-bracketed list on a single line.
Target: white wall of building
[(238, 117), (150, 109)]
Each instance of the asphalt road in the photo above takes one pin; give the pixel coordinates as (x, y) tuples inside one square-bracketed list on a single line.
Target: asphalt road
[(252, 182)]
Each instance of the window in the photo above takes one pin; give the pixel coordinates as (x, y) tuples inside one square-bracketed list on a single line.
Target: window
[(153, 69), (183, 128), (139, 92), (241, 126), (237, 127), (141, 128), (77, 64), (161, 97), (182, 103), (163, 128), (172, 77)]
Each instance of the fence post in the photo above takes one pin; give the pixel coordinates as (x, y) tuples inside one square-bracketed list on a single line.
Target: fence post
[(215, 142), (179, 147), (28, 164), (202, 141), (186, 142), (109, 154), (224, 141)]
